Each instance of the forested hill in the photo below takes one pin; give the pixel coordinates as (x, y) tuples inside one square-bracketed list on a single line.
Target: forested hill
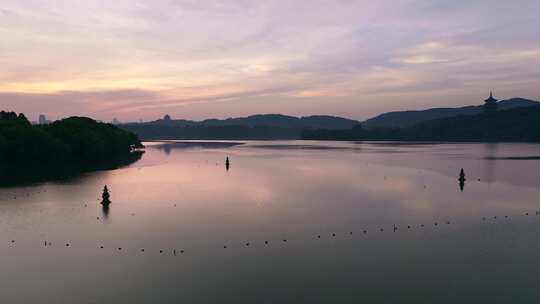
[(65, 146), (515, 125), (405, 119), (283, 121), (268, 126)]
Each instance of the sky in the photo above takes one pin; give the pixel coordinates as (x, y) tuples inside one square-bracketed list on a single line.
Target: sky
[(197, 59)]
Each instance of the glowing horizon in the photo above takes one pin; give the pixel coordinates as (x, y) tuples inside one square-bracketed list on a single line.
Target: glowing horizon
[(202, 59)]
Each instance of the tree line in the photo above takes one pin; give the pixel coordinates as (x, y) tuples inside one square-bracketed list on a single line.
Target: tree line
[(71, 144), (515, 125)]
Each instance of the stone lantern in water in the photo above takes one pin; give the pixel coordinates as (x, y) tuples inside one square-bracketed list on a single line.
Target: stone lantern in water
[(462, 179), (105, 197)]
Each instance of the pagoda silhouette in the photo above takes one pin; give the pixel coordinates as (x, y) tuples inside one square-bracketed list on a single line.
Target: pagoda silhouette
[(490, 104)]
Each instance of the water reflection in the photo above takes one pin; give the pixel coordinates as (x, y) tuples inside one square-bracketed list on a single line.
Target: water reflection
[(105, 211), (11, 175), (307, 215), (168, 146), (490, 162)]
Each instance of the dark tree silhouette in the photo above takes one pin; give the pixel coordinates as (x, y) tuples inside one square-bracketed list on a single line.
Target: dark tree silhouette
[(515, 125), (64, 147)]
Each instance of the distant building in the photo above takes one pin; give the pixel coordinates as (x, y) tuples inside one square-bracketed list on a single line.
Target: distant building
[(115, 121), (43, 120), (490, 104), (167, 117)]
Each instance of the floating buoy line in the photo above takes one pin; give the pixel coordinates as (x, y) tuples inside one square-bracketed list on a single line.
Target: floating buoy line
[(175, 252)]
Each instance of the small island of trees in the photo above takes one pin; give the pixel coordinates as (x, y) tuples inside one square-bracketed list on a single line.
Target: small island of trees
[(60, 149)]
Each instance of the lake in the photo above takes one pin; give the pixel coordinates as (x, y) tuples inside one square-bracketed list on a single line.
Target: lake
[(289, 222)]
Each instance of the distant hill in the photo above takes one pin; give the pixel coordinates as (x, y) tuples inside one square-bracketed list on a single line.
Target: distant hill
[(268, 120), (405, 119), (267, 126), (514, 125)]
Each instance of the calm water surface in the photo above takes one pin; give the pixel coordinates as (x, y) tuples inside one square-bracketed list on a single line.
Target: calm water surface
[(343, 222)]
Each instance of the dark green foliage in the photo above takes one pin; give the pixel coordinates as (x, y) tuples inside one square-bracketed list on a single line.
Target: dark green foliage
[(267, 126), (20, 141), (150, 131), (516, 125), (356, 133), (67, 146), (88, 140), (75, 139), (405, 119)]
